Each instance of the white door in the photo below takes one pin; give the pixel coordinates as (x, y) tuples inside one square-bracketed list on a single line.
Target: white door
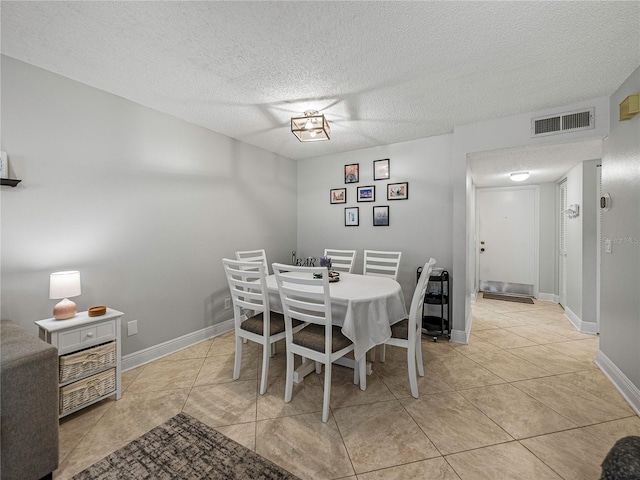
[(507, 232), (562, 243)]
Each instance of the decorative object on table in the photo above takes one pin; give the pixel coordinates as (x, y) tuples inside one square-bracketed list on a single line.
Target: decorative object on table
[(325, 261), (63, 285), (398, 191), (351, 216), (367, 194), (4, 165), (97, 311), (352, 173), (306, 262), (311, 127), (381, 169), (381, 216), (338, 195), (184, 447)]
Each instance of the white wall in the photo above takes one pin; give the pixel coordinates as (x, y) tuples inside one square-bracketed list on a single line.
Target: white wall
[(619, 355), (420, 226), (573, 308), (547, 241), (143, 204), (582, 251)]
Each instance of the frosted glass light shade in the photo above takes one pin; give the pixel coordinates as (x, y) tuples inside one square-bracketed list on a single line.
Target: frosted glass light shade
[(64, 284), (519, 176)]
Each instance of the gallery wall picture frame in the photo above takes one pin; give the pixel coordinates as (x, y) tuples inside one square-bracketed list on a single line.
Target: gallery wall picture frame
[(351, 216), (381, 216), (367, 194), (381, 169), (338, 195), (398, 191), (352, 173)]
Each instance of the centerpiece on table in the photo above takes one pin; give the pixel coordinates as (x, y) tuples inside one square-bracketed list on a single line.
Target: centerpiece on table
[(333, 275)]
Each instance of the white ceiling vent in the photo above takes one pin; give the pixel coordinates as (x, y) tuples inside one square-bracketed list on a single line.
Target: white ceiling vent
[(562, 123)]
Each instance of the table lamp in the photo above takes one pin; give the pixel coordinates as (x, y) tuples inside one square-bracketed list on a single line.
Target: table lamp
[(63, 285)]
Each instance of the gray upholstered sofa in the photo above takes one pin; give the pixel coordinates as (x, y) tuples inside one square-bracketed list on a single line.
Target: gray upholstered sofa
[(28, 405)]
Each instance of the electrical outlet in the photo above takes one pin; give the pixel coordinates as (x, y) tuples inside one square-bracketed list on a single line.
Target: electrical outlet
[(132, 328), (227, 303)]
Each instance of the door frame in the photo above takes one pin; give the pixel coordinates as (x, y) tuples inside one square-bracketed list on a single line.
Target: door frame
[(536, 229)]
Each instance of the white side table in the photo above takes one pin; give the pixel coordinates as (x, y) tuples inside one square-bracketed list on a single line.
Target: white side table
[(89, 355)]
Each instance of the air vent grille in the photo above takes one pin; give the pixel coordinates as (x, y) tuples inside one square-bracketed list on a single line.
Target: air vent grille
[(562, 123)]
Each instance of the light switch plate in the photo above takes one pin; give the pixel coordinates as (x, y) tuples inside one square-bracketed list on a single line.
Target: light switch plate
[(132, 328)]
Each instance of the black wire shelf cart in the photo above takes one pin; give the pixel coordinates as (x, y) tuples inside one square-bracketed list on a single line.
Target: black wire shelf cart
[(436, 309)]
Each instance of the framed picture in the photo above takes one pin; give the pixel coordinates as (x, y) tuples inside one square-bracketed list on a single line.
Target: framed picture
[(367, 194), (381, 216), (381, 169), (398, 191), (352, 173), (351, 217), (338, 195)]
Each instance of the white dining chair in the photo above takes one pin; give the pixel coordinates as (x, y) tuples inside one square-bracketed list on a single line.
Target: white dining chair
[(408, 332), (253, 319), (341, 260), (254, 256), (381, 263), (307, 299)]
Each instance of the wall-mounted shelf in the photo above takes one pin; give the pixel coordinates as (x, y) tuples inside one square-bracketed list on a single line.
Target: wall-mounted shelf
[(11, 182)]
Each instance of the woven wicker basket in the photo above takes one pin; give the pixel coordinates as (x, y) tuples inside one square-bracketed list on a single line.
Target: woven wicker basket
[(83, 391), (85, 361)]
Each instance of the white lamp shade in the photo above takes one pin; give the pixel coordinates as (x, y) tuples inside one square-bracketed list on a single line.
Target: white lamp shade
[(64, 284)]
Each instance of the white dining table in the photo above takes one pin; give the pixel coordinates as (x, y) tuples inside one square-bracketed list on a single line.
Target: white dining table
[(365, 306)]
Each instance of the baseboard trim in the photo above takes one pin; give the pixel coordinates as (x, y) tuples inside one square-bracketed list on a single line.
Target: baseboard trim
[(628, 390), (548, 297), (583, 327), (155, 352)]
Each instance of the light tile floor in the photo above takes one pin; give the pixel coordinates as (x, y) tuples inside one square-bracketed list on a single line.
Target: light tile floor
[(522, 400)]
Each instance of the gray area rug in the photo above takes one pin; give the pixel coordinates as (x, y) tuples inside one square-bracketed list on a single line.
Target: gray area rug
[(507, 298), (184, 448)]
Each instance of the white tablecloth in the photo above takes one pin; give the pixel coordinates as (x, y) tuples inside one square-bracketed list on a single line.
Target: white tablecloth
[(363, 305)]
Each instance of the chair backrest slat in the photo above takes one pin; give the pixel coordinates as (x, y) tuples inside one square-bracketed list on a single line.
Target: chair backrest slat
[(341, 260), (382, 263), (247, 285), (254, 256), (415, 311), (303, 296)]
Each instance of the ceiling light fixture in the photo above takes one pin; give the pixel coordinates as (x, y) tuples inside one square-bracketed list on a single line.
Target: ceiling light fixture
[(311, 128), (519, 176)]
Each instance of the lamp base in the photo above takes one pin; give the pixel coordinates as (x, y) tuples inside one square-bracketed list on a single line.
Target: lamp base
[(64, 309)]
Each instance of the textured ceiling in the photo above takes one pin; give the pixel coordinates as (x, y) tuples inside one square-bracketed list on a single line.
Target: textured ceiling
[(382, 72), (545, 163)]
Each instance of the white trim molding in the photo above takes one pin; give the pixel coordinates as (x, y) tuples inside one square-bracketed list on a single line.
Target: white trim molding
[(628, 390), (582, 327), (150, 354), (549, 297)]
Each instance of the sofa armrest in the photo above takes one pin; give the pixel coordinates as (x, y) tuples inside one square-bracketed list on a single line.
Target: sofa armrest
[(28, 404)]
